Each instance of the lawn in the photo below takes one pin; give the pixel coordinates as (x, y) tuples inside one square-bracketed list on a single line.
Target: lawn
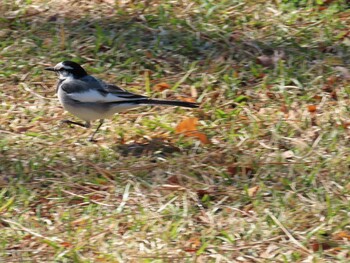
[(263, 176)]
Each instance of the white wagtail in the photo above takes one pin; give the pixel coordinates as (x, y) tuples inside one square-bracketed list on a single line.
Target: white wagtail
[(90, 98)]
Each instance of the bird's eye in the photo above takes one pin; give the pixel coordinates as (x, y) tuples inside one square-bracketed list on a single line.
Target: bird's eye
[(64, 72)]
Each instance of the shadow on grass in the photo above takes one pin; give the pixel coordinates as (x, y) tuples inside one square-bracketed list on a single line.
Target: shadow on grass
[(155, 147)]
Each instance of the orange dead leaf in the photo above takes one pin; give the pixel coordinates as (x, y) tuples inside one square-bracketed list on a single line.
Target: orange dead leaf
[(187, 99), (193, 244), (66, 244), (188, 127), (161, 86), (311, 108), (189, 124), (253, 190), (200, 136), (342, 235)]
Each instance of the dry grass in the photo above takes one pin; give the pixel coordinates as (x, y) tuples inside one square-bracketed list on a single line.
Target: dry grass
[(272, 80)]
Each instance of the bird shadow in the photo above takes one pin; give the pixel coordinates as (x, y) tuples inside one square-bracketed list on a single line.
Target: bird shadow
[(155, 147)]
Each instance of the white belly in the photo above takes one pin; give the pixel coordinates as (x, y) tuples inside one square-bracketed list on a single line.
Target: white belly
[(90, 111), (86, 114)]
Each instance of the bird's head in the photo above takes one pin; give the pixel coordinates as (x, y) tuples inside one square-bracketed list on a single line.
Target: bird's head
[(67, 69)]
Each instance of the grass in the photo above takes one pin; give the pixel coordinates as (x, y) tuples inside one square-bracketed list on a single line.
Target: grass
[(273, 84)]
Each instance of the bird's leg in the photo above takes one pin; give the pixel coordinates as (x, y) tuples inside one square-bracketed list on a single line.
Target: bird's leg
[(86, 125), (98, 127)]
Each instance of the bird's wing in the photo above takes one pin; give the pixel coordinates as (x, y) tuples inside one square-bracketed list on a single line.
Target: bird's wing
[(95, 92), (117, 91)]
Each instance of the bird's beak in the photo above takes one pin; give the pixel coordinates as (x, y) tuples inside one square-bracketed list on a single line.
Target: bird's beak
[(50, 69)]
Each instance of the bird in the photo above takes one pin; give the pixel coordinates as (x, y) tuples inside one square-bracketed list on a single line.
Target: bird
[(90, 98)]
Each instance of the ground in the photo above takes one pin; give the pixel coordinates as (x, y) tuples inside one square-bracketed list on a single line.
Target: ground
[(263, 174)]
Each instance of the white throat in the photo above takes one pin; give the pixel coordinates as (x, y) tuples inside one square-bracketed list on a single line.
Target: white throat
[(66, 79)]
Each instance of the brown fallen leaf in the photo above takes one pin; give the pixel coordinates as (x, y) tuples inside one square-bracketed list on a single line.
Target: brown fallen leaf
[(232, 170), (200, 136), (161, 86), (187, 99), (317, 246), (192, 245), (284, 108), (24, 129), (311, 108), (342, 235), (188, 127), (173, 180), (270, 95), (66, 244)]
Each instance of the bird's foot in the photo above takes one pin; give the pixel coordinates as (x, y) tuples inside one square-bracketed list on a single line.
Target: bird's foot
[(92, 140)]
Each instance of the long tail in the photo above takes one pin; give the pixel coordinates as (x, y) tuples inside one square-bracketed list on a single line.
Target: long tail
[(169, 103)]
